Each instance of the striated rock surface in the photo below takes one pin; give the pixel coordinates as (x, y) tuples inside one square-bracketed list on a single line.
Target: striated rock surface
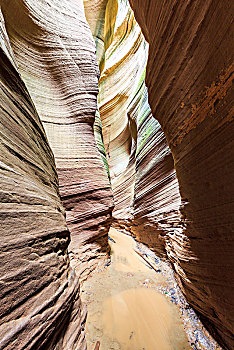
[(40, 303), (55, 52), (189, 78), (119, 37), (141, 166), (188, 220), (156, 196), (142, 171)]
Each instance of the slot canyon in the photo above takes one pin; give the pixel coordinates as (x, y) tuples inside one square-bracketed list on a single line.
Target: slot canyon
[(116, 193)]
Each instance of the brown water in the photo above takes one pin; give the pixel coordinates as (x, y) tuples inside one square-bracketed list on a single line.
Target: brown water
[(124, 310)]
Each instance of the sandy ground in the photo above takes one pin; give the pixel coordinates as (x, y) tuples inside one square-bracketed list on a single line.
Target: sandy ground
[(125, 311)]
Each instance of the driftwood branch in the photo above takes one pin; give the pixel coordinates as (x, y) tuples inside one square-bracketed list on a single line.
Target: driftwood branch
[(142, 256), (97, 346)]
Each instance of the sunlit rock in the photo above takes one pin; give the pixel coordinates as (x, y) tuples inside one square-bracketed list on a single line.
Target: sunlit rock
[(189, 78), (141, 166), (55, 52), (40, 302), (168, 159)]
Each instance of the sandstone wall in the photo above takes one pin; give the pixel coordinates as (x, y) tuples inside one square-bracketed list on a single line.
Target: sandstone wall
[(189, 78), (156, 192), (40, 305), (141, 166), (55, 52)]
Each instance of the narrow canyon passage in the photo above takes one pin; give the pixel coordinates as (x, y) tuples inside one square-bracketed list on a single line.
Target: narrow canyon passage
[(116, 114), (133, 304)]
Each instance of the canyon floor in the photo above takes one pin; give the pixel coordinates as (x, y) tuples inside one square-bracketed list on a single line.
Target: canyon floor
[(133, 304)]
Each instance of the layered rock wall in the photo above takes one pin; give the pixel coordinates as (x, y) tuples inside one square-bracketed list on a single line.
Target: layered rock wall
[(156, 191), (188, 220), (141, 166), (189, 78), (40, 304), (55, 53)]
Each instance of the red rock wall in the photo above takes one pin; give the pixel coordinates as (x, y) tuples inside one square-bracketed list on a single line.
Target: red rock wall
[(55, 52), (142, 172), (156, 191), (189, 79), (40, 305)]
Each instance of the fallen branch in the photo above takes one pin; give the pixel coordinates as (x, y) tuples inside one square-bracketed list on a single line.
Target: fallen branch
[(142, 256), (97, 345)]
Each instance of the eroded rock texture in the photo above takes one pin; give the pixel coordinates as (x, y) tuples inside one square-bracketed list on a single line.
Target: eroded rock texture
[(141, 167), (189, 78), (40, 306), (55, 52), (109, 27)]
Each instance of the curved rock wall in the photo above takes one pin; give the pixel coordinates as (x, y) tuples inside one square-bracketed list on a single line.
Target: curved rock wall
[(95, 11), (156, 195), (40, 306), (189, 81), (55, 52), (189, 78), (114, 97), (141, 167), (142, 171)]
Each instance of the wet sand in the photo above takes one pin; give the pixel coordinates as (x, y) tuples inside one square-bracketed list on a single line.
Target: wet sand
[(125, 311), (141, 319)]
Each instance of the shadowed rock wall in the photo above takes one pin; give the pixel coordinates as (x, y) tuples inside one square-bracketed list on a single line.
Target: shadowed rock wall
[(55, 52), (189, 78), (141, 166), (40, 305), (156, 193)]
